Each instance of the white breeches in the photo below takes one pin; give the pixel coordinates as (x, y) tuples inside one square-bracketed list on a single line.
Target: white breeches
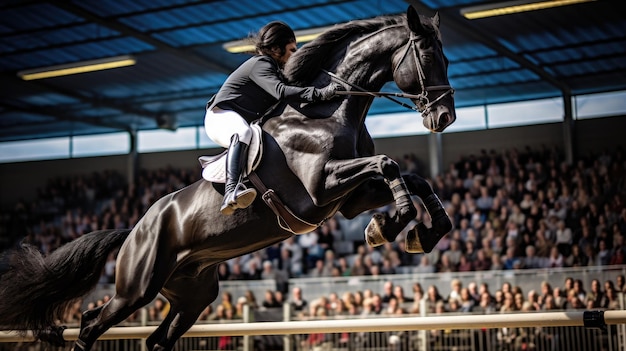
[(220, 125)]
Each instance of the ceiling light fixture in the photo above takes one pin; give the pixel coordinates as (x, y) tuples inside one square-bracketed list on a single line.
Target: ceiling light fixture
[(247, 46), (510, 7), (77, 67)]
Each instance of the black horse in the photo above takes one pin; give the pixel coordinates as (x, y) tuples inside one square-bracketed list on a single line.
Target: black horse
[(318, 160)]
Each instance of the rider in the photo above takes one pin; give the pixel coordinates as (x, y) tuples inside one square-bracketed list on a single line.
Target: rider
[(247, 94)]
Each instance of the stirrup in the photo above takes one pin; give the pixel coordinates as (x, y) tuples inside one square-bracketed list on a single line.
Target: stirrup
[(241, 197)]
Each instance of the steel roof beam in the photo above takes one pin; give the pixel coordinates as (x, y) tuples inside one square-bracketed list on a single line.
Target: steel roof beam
[(105, 22), (94, 101)]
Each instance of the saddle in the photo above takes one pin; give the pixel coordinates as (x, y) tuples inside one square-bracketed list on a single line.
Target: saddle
[(214, 167), (214, 170)]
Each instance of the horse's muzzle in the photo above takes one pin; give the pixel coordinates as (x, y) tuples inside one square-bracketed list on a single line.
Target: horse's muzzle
[(439, 119)]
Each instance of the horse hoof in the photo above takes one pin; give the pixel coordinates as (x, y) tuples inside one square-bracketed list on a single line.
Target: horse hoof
[(373, 233), (422, 239), (413, 243)]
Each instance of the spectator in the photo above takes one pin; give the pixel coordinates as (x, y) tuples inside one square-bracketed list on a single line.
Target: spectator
[(453, 254), (573, 302), (466, 300), (485, 304), (269, 300), (595, 294), (465, 265), (445, 265), (295, 254), (455, 290), (387, 291), (510, 260), (531, 261), (610, 301), (482, 263), (298, 303), (508, 304), (325, 238), (425, 265), (432, 298), (223, 271), (398, 293), (251, 299), (576, 258), (556, 258), (236, 273), (618, 254)]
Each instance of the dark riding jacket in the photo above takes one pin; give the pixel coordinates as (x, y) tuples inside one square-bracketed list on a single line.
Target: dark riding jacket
[(255, 87)]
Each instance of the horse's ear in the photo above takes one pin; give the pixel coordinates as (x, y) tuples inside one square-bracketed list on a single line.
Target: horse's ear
[(436, 20), (413, 20)]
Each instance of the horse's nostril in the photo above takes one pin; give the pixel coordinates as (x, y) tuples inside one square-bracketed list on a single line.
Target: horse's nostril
[(444, 119)]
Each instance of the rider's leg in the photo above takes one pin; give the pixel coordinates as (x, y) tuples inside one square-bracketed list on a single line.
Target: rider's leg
[(228, 129), (236, 195)]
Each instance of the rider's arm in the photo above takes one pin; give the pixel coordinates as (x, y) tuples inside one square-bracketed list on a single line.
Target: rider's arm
[(267, 76)]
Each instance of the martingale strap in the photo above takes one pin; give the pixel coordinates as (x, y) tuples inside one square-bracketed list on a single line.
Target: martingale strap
[(286, 218)]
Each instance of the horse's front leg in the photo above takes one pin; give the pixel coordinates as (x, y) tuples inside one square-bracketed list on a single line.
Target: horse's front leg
[(344, 176), (375, 193)]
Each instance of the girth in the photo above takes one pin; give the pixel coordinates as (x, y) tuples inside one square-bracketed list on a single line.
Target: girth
[(286, 218)]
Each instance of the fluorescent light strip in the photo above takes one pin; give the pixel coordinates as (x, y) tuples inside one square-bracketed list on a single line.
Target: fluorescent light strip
[(78, 67), (245, 45), (507, 8)]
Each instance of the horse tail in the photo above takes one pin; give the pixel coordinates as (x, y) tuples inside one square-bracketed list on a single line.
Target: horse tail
[(36, 291)]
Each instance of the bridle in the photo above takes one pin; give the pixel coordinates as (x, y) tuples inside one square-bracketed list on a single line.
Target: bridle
[(423, 103)]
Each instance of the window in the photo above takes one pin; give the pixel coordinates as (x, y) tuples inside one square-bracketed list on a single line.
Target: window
[(600, 105), (99, 145), (395, 124), (39, 149), (165, 140), (469, 118), (525, 113)]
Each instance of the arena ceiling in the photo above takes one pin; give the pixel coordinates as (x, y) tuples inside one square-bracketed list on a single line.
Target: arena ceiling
[(181, 61)]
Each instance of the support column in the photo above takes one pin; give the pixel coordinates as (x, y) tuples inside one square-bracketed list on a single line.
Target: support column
[(132, 165), (569, 130)]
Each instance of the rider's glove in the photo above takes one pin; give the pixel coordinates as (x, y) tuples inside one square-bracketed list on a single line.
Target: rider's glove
[(328, 92)]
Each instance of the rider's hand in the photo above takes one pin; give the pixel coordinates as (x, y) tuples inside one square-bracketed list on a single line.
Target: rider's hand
[(329, 92)]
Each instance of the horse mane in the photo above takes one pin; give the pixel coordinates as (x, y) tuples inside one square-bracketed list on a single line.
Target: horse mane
[(305, 64)]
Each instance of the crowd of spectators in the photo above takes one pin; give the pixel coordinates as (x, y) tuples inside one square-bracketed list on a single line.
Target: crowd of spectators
[(394, 300), (512, 210)]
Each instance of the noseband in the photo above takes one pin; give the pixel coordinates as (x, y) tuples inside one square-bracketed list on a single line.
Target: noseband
[(423, 103)]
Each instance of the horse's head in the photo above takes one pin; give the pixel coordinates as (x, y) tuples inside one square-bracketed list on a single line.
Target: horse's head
[(420, 69)]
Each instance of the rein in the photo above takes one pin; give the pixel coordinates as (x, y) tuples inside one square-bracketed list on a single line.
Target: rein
[(422, 104)]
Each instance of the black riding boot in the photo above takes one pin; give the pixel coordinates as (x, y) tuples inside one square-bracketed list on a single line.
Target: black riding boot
[(236, 194)]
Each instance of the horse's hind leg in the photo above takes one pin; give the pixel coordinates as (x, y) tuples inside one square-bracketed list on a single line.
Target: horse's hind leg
[(421, 238), (139, 278), (188, 297), (95, 322)]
